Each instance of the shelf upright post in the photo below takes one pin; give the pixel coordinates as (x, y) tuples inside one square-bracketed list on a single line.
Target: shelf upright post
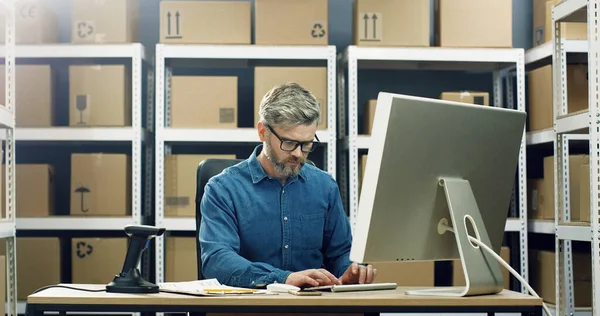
[(9, 156), (593, 9)]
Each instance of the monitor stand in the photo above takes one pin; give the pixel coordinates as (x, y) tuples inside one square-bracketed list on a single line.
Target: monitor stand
[(481, 270)]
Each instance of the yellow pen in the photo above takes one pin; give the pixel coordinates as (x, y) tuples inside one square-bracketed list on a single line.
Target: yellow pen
[(230, 290)]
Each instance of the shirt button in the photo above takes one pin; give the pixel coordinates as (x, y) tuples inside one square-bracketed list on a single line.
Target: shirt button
[(286, 246), (285, 218)]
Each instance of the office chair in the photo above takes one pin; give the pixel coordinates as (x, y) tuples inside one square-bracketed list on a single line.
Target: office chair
[(206, 170)]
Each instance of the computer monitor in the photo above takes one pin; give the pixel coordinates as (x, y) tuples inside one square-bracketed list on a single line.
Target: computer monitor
[(432, 162)]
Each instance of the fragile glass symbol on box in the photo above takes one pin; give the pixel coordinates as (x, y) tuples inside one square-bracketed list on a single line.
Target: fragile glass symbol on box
[(81, 103)]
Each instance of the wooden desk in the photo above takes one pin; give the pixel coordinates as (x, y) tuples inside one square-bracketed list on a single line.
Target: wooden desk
[(368, 302)]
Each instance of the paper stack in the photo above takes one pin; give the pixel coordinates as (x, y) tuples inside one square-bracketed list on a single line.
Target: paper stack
[(209, 287)]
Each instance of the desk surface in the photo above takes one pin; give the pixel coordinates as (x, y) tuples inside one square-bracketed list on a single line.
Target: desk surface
[(57, 296)]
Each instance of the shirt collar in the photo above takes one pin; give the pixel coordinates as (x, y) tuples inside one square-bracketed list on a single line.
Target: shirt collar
[(258, 173)]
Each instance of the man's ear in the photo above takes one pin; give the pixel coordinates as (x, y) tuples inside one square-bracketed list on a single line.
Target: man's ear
[(261, 131)]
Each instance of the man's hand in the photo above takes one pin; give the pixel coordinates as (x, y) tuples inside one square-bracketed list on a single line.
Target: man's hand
[(312, 277), (359, 274)]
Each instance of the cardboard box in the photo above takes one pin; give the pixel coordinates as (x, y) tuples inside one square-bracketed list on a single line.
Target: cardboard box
[(472, 97), (540, 94), (542, 24), (100, 185), (584, 190), (392, 23), (34, 92), (291, 22), (33, 272), (180, 259), (458, 275), (362, 164), (538, 203), (368, 116), (547, 190), (313, 79), (204, 102), (34, 190), (89, 102), (97, 260), (406, 273), (542, 276), (180, 183), (35, 23), (106, 21), (473, 23), (205, 22)]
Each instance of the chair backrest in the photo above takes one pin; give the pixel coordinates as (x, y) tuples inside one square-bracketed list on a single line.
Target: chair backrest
[(206, 170)]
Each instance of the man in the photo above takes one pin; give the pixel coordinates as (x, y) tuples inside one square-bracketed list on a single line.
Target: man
[(272, 218)]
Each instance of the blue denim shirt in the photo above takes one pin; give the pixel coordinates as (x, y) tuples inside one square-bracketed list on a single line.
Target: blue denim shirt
[(256, 231)]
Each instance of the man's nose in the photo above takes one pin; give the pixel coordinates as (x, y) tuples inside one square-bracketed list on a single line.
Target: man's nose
[(298, 151)]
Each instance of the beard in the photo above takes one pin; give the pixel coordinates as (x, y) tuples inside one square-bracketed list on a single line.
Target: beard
[(288, 167)]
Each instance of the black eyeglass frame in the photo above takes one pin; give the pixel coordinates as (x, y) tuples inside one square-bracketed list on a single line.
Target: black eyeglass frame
[(315, 144)]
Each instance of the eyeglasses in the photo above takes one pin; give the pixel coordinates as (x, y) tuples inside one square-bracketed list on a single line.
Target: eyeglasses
[(291, 145)]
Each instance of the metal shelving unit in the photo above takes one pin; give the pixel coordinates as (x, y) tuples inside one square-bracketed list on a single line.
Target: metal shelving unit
[(136, 134), (497, 60), (7, 125), (169, 56), (565, 125)]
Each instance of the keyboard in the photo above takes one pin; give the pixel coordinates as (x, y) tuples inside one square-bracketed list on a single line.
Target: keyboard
[(353, 287)]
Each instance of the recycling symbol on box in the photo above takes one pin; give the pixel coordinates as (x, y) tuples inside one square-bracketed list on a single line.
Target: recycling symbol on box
[(318, 30), (85, 29), (84, 249)]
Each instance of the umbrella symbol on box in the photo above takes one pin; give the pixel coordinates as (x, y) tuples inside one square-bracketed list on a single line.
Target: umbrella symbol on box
[(83, 191)]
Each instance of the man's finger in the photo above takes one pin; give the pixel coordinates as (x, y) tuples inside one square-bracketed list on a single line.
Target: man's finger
[(324, 277), (331, 277), (370, 275), (363, 275), (354, 268), (308, 280)]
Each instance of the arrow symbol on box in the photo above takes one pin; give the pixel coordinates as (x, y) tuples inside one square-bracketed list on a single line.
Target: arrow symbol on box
[(366, 18)]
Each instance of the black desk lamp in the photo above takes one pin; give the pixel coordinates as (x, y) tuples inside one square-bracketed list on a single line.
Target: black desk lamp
[(130, 279)]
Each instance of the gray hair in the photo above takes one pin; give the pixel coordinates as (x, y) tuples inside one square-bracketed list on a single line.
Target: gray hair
[(288, 105)]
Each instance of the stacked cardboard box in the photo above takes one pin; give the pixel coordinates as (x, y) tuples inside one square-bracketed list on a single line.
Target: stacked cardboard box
[(473, 23), (36, 23), (391, 23), (180, 183), (33, 273), (180, 259), (35, 109), (106, 21), (540, 94), (35, 189), (204, 102), (542, 276), (542, 24), (97, 260), (471, 97), (99, 95), (100, 184), (541, 190), (205, 22)]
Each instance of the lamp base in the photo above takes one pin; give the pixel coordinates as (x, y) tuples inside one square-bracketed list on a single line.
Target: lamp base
[(132, 282)]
